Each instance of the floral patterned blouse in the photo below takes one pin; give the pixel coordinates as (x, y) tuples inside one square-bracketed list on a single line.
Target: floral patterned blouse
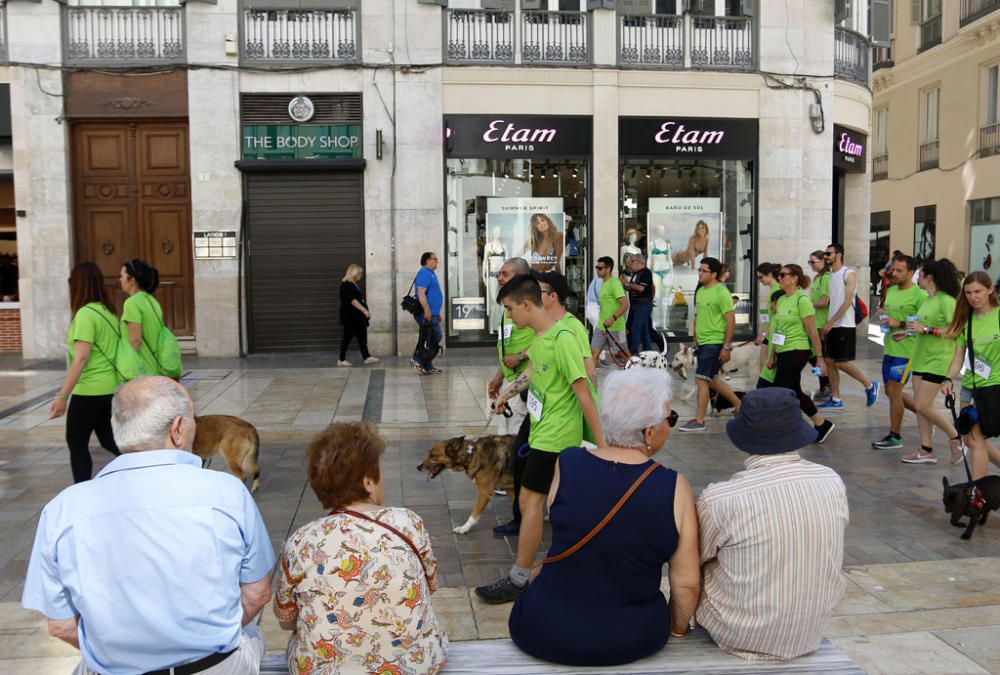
[(360, 597)]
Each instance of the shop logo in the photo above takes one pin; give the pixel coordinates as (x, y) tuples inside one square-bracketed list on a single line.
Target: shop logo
[(687, 140), (849, 147), (513, 138), (301, 109)]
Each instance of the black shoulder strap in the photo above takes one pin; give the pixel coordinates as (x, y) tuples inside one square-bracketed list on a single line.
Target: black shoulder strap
[(968, 346), (143, 337), (503, 347)]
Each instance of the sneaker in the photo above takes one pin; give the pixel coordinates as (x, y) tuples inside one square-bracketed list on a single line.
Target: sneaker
[(500, 591), (511, 529), (871, 393), (431, 371), (957, 451), (831, 404), (889, 442), (370, 361), (919, 457), (822, 396), (692, 425), (344, 364), (416, 365), (823, 431)]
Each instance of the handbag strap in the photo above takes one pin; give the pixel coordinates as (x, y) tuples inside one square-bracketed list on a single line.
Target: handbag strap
[(152, 351), (604, 521), (117, 332), (406, 540)]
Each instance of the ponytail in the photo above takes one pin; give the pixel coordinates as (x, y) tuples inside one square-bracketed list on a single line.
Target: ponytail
[(147, 278)]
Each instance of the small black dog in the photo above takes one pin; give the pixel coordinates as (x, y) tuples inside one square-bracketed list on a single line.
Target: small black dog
[(958, 502), (719, 403)]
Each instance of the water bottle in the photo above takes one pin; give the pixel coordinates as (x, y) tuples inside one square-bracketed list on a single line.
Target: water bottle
[(817, 371), (909, 320), (883, 321)]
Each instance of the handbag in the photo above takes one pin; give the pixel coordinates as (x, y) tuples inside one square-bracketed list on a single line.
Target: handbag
[(987, 399), (167, 353), (428, 345), (410, 304), (406, 540), (604, 521), (125, 360)]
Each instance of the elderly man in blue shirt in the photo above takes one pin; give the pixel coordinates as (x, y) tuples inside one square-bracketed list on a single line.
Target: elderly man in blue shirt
[(156, 565)]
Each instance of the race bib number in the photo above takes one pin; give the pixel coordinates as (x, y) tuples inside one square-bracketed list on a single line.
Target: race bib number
[(507, 330), (778, 339), (982, 369), (535, 404)]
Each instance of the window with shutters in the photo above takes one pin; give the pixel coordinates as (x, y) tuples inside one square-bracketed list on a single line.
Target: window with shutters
[(880, 160), (989, 130), (930, 113)]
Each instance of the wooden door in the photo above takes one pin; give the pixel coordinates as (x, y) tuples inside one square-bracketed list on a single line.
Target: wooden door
[(132, 199)]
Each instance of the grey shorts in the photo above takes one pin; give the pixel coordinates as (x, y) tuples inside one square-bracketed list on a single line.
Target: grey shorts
[(965, 396), (602, 340)]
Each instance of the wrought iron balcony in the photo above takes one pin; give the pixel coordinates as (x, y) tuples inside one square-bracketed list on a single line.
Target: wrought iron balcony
[(850, 55), (976, 9), (989, 140), (880, 167), (722, 42), (882, 57), (668, 41), (555, 38), (652, 41), (930, 33), (479, 36), (929, 153), (123, 35), (296, 36)]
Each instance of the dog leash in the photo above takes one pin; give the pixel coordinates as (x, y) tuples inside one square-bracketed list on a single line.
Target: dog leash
[(975, 494)]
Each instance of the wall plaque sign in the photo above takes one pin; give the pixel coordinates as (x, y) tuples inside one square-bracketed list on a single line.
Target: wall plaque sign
[(220, 244)]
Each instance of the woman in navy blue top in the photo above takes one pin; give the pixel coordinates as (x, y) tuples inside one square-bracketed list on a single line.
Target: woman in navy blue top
[(602, 605)]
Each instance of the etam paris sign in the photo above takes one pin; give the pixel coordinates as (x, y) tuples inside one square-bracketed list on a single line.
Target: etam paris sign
[(502, 136), (849, 148), (718, 137)]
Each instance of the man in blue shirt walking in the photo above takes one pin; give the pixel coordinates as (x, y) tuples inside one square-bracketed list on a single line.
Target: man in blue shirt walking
[(431, 300), (156, 565)]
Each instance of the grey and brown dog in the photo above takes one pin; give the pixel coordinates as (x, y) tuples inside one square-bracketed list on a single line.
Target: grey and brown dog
[(487, 460), (235, 438)]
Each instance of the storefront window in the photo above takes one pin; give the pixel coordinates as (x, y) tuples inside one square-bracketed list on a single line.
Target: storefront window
[(985, 236), (511, 198), (686, 206)]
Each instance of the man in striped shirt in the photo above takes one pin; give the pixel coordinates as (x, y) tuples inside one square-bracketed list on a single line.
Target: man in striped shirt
[(772, 537)]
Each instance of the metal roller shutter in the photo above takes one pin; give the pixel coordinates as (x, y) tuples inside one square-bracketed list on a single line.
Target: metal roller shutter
[(304, 229)]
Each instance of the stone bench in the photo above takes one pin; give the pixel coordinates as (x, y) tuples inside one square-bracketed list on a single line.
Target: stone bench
[(696, 653)]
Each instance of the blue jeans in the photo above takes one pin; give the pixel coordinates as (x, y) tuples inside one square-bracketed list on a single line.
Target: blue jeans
[(640, 315), (436, 327)]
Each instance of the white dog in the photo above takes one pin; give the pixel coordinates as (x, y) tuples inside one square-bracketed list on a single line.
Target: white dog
[(743, 358)]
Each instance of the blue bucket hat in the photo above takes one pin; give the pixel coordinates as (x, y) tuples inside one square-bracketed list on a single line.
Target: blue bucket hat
[(770, 423)]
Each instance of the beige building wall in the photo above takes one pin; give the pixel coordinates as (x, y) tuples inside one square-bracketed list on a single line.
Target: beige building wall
[(958, 67)]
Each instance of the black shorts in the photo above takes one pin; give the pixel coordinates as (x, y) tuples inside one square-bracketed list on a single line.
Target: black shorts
[(841, 344), (539, 468), (929, 377)]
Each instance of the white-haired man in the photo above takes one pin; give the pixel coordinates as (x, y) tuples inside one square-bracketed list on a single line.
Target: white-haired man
[(155, 566)]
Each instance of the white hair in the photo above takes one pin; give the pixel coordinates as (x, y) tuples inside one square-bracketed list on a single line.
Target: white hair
[(143, 410), (521, 265), (638, 257), (631, 401)]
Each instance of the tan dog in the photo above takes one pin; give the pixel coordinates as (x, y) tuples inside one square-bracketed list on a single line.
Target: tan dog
[(236, 439), (486, 460)]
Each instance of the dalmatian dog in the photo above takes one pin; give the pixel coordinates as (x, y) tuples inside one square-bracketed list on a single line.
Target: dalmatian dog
[(648, 360)]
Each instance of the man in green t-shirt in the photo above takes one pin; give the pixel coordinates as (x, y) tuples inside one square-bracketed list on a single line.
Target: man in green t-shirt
[(559, 401), (609, 333), (819, 293), (714, 323), (555, 290), (902, 300)]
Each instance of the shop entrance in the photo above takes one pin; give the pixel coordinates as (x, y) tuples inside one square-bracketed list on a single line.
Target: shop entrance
[(132, 199), (304, 227)]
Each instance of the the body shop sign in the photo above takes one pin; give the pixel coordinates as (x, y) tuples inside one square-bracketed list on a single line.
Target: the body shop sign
[(502, 136), (301, 141), (725, 138), (849, 149)]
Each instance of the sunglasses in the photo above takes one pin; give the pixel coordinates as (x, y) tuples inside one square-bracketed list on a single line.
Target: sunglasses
[(784, 274), (600, 267), (671, 419)]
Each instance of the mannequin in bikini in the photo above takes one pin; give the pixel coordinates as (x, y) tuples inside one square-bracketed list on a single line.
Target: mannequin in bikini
[(662, 267), (629, 247), (493, 258)]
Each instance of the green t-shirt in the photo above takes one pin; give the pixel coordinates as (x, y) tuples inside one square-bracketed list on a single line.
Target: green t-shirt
[(711, 306), (820, 287), (986, 345), (93, 323), (934, 354), (143, 309), (789, 323), (512, 340), (607, 298), (579, 332), (767, 373), (899, 305), (556, 364), (765, 315)]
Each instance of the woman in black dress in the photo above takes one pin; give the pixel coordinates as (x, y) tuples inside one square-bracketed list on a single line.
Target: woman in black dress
[(354, 316)]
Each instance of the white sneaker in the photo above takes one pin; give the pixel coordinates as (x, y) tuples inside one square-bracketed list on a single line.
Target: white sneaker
[(371, 360), (344, 364)]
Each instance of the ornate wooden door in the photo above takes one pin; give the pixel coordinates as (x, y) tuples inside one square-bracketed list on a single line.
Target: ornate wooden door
[(132, 197)]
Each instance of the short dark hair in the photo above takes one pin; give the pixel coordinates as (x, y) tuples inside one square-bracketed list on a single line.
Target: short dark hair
[(769, 268), (838, 248), (607, 261), (520, 288), (713, 264), (339, 459), (908, 260), (945, 276), (146, 276), (427, 255), (557, 282)]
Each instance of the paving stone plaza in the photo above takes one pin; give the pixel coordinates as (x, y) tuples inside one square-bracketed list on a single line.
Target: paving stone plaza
[(920, 600)]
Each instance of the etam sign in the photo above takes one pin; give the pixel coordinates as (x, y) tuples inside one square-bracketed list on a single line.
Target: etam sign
[(728, 138), (501, 136), (849, 149)]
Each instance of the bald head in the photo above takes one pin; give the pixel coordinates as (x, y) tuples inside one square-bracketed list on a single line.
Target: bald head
[(152, 413)]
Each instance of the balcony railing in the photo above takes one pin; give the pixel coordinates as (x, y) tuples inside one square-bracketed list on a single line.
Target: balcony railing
[(881, 57), (479, 36), (976, 9), (123, 35), (930, 33), (880, 167), (559, 38), (293, 36), (989, 140), (929, 153), (850, 55), (722, 42), (652, 41)]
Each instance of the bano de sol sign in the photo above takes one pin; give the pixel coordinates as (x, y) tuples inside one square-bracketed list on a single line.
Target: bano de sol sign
[(301, 141)]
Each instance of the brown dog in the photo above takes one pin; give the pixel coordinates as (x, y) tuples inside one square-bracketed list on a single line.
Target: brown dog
[(486, 460), (236, 439)]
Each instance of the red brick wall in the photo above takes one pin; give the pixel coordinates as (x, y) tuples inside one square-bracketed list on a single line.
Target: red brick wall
[(10, 330)]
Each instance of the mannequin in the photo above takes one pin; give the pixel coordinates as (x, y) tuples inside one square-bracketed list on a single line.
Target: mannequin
[(629, 248), (493, 258), (662, 266)]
